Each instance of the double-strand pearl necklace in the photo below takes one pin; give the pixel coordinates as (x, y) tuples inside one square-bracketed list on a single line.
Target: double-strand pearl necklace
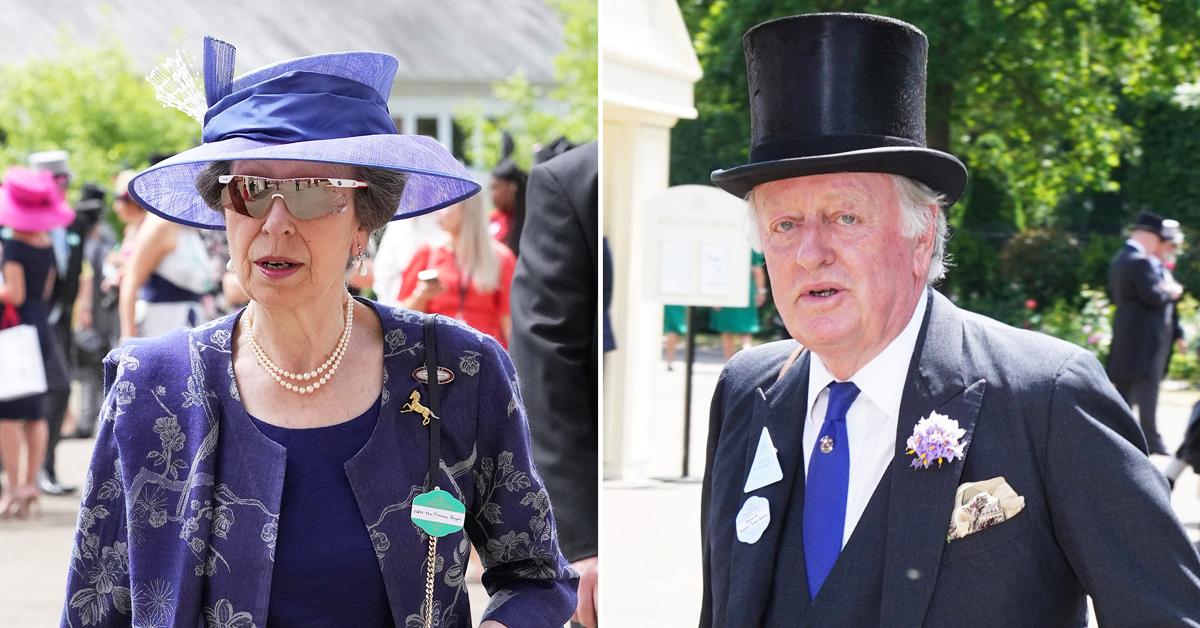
[(295, 382)]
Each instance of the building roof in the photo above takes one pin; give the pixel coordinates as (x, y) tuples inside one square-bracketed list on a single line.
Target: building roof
[(444, 41)]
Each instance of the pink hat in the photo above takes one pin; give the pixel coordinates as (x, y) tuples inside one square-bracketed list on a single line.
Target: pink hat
[(31, 201)]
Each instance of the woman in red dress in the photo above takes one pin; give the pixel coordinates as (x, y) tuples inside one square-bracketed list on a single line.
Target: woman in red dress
[(465, 274)]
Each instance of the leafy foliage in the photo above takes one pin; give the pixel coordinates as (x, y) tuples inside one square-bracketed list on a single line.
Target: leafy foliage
[(1070, 116), (1163, 178), (1025, 91), (1089, 326), (573, 112), (89, 102), (1043, 263)]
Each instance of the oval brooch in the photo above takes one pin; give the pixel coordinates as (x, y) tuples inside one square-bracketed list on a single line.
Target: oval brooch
[(445, 375)]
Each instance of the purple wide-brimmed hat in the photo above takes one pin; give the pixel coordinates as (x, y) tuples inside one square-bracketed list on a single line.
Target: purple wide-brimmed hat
[(329, 108), (30, 200)]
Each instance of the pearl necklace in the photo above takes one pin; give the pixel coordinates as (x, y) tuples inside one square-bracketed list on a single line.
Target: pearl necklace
[(287, 379)]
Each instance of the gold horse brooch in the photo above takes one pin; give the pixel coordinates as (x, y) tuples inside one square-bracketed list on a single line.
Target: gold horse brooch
[(414, 405)]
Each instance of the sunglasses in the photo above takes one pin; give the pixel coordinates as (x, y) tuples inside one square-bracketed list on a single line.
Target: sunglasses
[(305, 199)]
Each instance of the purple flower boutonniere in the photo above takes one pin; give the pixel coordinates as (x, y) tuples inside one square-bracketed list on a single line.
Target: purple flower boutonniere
[(936, 438)]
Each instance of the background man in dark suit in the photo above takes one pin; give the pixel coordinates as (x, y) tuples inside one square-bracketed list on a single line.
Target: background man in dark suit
[(555, 328), (907, 463), (1142, 326)]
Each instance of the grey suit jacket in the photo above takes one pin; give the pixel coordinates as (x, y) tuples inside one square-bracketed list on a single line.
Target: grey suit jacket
[(1037, 411)]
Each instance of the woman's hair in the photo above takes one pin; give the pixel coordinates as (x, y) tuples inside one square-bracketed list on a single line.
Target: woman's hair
[(475, 252), (508, 170), (374, 205)]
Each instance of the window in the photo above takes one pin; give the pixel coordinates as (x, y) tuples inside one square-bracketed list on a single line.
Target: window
[(459, 141), (427, 126)]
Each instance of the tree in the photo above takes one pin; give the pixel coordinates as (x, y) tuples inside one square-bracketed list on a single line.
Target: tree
[(573, 110), (1163, 178), (90, 102), (1024, 91)]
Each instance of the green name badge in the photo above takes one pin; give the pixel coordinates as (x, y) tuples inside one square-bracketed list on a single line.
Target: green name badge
[(438, 513)]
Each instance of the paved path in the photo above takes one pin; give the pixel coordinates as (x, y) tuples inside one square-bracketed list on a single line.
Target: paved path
[(651, 529), (34, 554)]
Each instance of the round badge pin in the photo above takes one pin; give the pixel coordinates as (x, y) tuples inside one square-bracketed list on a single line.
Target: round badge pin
[(438, 513)]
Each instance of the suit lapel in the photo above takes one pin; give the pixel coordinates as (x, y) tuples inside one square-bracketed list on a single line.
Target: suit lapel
[(922, 500), (782, 410)]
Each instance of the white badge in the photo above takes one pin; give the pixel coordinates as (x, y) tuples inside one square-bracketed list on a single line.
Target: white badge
[(752, 519), (765, 470)]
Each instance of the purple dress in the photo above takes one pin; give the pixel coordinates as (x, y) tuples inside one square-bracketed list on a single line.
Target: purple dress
[(325, 568), (180, 513)]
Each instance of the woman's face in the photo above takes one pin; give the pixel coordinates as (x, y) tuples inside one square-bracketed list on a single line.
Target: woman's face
[(451, 219), (503, 193), (283, 261), (126, 209)]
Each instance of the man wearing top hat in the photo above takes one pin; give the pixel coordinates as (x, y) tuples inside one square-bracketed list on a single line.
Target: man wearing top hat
[(1173, 238), (1142, 326), (907, 463)]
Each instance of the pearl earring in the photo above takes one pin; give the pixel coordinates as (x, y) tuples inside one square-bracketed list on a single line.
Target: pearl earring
[(362, 262)]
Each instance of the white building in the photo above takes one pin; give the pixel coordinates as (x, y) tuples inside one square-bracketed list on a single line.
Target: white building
[(649, 70), (450, 52)]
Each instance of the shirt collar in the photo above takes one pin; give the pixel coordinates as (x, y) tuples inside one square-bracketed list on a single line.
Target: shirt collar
[(1135, 244), (882, 379)]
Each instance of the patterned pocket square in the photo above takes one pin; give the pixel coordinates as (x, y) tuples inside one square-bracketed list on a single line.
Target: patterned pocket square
[(980, 505)]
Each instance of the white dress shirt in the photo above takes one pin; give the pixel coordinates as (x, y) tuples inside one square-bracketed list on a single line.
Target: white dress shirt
[(872, 418), (1137, 245)]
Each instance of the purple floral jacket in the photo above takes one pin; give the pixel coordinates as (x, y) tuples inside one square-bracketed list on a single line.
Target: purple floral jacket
[(181, 505)]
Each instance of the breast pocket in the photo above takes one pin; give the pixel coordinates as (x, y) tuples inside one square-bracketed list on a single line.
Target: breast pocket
[(984, 541)]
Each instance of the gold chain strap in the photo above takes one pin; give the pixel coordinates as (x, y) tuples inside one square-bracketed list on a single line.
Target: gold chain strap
[(429, 581)]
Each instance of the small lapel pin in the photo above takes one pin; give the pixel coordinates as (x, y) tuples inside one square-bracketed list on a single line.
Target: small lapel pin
[(414, 405), (445, 375), (826, 444)]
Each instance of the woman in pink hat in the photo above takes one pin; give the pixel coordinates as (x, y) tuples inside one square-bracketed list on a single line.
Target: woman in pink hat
[(30, 205)]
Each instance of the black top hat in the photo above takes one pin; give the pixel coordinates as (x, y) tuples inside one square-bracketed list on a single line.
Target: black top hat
[(838, 92), (1149, 221)]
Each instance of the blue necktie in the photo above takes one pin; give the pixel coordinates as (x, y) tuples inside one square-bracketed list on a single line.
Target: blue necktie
[(825, 488)]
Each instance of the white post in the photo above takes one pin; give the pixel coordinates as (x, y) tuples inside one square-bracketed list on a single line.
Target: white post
[(649, 69), (445, 130)]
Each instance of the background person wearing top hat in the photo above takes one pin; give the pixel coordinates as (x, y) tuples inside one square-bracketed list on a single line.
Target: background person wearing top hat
[(833, 494), (1142, 331), (1167, 255)]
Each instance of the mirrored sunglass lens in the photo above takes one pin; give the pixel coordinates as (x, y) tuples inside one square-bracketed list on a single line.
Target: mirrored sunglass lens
[(228, 195), (305, 198), (309, 202)]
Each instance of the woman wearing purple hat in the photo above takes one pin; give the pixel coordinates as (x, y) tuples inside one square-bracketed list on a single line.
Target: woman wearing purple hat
[(295, 463), (30, 205)]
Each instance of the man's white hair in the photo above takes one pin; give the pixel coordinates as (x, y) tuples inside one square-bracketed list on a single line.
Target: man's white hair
[(916, 198)]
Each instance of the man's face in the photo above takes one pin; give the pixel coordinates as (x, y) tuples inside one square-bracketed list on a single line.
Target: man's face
[(1167, 251), (844, 276)]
